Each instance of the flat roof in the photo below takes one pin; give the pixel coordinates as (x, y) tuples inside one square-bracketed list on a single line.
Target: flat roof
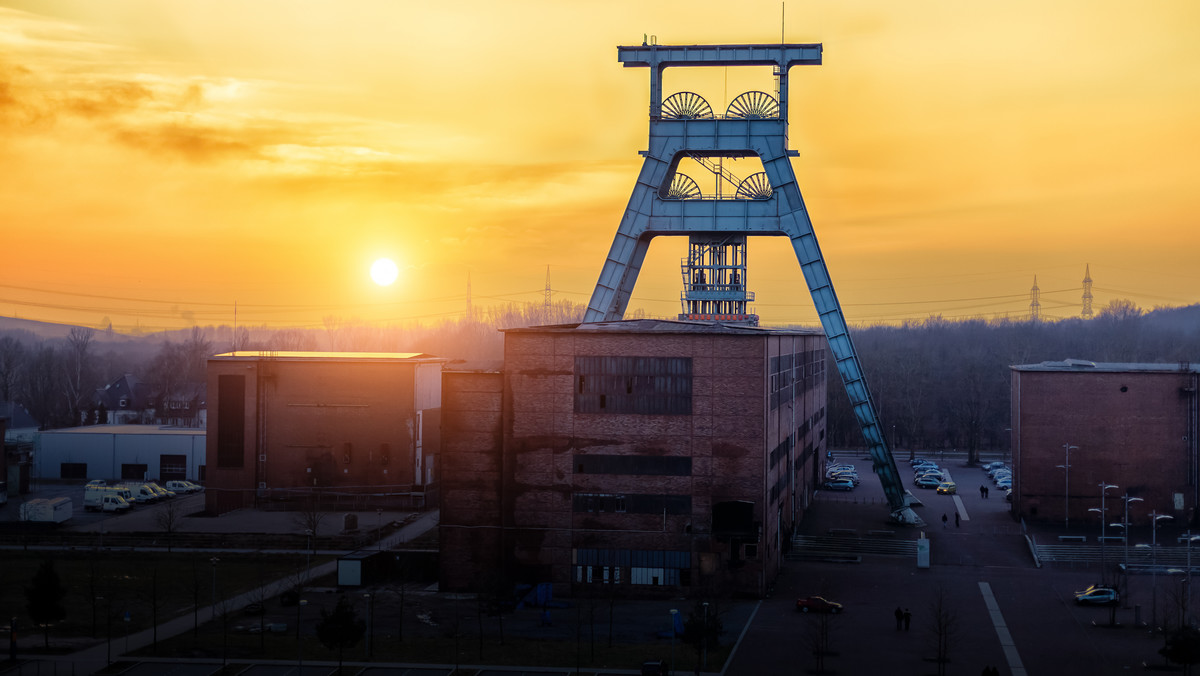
[(667, 326), (258, 355), (1085, 366), (129, 429)]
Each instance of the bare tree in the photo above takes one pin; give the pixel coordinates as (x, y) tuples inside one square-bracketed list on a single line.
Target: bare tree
[(168, 518), (78, 380), (943, 627), (311, 513), (12, 360)]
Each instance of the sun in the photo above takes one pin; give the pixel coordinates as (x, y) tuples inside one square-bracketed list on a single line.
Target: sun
[(384, 271)]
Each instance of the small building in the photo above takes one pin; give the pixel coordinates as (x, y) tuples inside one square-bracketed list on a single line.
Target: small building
[(125, 452), (1077, 425), (296, 425), (664, 457)]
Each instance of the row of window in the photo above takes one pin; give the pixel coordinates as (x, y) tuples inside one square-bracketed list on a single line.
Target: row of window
[(637, 385), (631, 503), (792, 374), (654, 577), (644, 465)]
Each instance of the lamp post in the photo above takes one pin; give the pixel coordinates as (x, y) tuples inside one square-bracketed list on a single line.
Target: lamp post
[(1154, 519), (307, 556), (704, 655), (1188, 580), (214, 560), (674, 613), (300, 603), (1103, 562), (1066, 468), (370, 615), (1125, 530)]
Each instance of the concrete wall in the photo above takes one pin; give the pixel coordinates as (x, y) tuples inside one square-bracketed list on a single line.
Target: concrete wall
[(104, 448)]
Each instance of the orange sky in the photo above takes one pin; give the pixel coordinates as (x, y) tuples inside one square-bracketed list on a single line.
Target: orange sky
[(164, 160)]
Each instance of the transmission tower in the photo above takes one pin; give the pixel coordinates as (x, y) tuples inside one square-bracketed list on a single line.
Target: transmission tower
[(1035, 301), (1087, 293)]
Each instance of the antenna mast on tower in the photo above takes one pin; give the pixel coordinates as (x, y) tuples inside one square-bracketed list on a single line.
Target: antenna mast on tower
[(1087, 293), (1035, 301)]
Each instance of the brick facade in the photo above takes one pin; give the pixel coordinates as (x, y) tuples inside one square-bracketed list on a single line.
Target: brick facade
[(613, 476), (1132, 425), (285, 424)]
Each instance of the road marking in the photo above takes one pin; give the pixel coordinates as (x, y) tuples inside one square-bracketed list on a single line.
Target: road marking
[(958, 504), (1006, 642)]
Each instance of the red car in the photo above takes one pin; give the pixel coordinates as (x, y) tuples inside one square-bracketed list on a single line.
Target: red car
[(817, 604)]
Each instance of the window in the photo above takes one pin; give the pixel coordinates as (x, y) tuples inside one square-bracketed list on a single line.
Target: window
[(632, 503), (646, 465), (231, 421), (634, 385)]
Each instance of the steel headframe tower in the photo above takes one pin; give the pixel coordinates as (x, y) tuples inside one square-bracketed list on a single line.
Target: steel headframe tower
[(665, 202)]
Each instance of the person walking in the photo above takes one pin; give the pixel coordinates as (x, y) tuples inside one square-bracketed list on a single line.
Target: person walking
[(944, 520), (899, 618), (982, 491), (957, 520)]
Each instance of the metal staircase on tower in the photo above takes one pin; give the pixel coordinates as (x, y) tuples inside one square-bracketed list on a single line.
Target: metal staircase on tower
[(666, 202)]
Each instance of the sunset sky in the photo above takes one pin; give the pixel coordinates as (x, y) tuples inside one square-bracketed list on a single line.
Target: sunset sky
[(162, 161)]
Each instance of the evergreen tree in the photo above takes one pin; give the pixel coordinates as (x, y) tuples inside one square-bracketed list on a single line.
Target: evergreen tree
[(340, 628), (44, 597)]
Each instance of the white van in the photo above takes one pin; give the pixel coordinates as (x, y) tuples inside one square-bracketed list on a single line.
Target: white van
[(142, 493), (105, 499)]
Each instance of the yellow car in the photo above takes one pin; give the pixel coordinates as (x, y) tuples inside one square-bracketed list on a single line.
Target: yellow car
[(947, 488)]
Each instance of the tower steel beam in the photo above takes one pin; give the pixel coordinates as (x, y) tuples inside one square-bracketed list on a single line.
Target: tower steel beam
[(650, 213)]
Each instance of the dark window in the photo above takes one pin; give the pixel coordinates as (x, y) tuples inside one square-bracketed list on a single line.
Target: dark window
[(72, 470), (172, 467), (639, 385), (231, 421), (650, 465)]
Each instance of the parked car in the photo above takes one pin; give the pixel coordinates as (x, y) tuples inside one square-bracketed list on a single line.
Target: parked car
[(1097, 595), (926, 482), (838, 485), (817, 604), (932, 474), (947, 488), (654, 668)]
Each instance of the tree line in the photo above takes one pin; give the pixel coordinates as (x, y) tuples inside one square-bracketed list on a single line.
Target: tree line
[(937, 383)]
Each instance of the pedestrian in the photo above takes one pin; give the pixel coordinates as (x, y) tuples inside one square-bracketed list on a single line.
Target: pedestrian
[(982, 491), (907, 619), (957, 520), (944, 520), (986, 492), (899, 618)]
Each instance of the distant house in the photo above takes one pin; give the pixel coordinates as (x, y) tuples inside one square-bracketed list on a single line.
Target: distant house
[(126, 400), (130, 400), (20, 425)]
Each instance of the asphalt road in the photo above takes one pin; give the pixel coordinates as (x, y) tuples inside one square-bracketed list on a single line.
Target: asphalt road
[(993, 606)]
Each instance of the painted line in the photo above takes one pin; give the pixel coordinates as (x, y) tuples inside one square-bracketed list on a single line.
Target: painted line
[(733, 651), (962, 509), (1006, 642)]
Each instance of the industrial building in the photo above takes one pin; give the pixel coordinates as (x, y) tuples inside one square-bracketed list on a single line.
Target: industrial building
[(660, 455), (125, 452), (294, 425), (1078, 426)]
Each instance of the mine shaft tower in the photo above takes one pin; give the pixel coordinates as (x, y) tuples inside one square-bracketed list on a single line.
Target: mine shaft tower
[(666, 202)]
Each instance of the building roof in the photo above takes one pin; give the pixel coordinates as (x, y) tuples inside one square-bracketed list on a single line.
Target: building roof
[(260, 355), (1084, 366), (129, 429), (667, 326)]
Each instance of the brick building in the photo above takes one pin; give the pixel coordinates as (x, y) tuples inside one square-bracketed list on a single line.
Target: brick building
[(289, 424), (662, 456), (1132, 425)]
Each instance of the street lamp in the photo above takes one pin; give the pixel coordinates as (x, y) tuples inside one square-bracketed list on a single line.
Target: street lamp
[(674, 613), (1103, 563), (300, 603), (704, 658), (1154, 519), (1066, 468), (214, 560), (370, 615)]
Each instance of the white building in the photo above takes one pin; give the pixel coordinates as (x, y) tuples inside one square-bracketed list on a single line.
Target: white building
[(128, 452)]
